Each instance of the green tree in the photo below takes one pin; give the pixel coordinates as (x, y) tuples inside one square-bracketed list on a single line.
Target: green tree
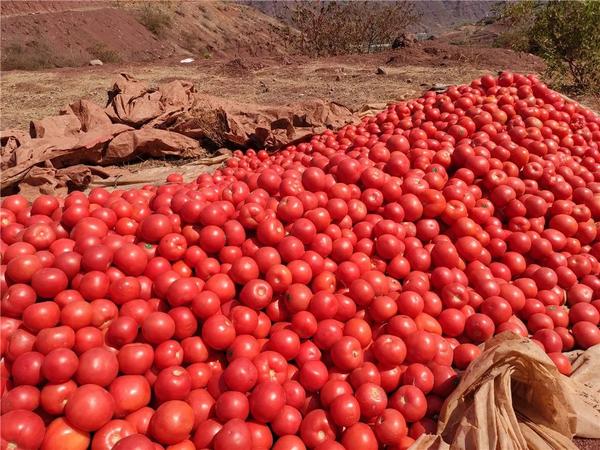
[(566, 34)]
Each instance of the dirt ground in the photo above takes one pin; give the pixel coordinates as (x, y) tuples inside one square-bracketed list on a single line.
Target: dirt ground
[(350, 80), (37, 35), (587, 444)]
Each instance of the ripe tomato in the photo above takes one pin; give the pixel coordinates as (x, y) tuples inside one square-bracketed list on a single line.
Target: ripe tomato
[(390, 427), (359, 436), (60, 434), (266, 401), (111, 433), (94, 399), (316, 428), (410, 401), (172, 422), (97, 366), (22, 429)]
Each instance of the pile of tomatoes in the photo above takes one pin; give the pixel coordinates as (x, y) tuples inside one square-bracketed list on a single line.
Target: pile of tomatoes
[(325, 297)]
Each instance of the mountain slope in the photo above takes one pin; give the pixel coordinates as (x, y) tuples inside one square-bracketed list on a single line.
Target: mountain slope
[(71, 33), (435, 15)]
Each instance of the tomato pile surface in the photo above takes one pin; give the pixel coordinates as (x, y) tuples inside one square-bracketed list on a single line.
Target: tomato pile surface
[(326, 297)]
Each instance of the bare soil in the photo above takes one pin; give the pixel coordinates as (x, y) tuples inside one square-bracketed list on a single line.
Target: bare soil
[(71, 33), (350, 80), (441, 53), (587, 444)]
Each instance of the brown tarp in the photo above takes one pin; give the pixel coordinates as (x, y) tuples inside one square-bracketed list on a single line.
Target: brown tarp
[(46, 180), (224, 122), (55, 126), (513, 397), (141, 121), (144, 174), (90, 115), (150, 142), (176, 106), (59, 152)]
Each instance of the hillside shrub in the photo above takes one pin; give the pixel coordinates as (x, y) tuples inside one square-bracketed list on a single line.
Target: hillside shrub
[(566, 34)]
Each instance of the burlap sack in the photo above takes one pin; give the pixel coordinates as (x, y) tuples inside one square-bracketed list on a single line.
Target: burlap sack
[(514, 398)]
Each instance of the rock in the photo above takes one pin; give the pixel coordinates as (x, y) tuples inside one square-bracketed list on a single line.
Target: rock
[(96, 62), (338, 78), (408, 80), (187, 61), (439, 87), (380, 71)]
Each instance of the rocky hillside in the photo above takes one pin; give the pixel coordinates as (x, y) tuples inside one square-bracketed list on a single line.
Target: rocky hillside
[(37, 34), (442, 15), (436, 16)]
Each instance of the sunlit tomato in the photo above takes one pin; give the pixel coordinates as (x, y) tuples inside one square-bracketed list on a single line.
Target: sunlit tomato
[(218, 332), (21, 429), (266, 401), (172, 422), (372, 400), (97, 403), (97, 366), (130, 393), (111, 433), (390, 427), (137, 441), (60, 434), (316, 428), (359, 436), (464, 354), (410, 401)]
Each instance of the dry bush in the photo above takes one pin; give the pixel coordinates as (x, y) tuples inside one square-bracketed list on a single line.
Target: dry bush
[(32, 55), (104, 53), (341, 27), (155, 15)]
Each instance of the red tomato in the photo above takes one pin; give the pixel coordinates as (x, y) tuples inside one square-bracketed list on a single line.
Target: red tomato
[(172, 422), (97, 403), (60, 434), (316, 428), (372, 400), (390, 427), (345, 410), (111, 433), (359, 436), (266, 401), (22, 429), (137, 441), (130, 393), (235, 434), (97, 366), (410, 401)]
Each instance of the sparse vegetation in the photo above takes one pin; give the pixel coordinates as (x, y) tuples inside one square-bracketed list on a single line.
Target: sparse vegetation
[(32, 55), (340, 27), (190, 40), (103, 53), (564, 33), (155, 16)]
